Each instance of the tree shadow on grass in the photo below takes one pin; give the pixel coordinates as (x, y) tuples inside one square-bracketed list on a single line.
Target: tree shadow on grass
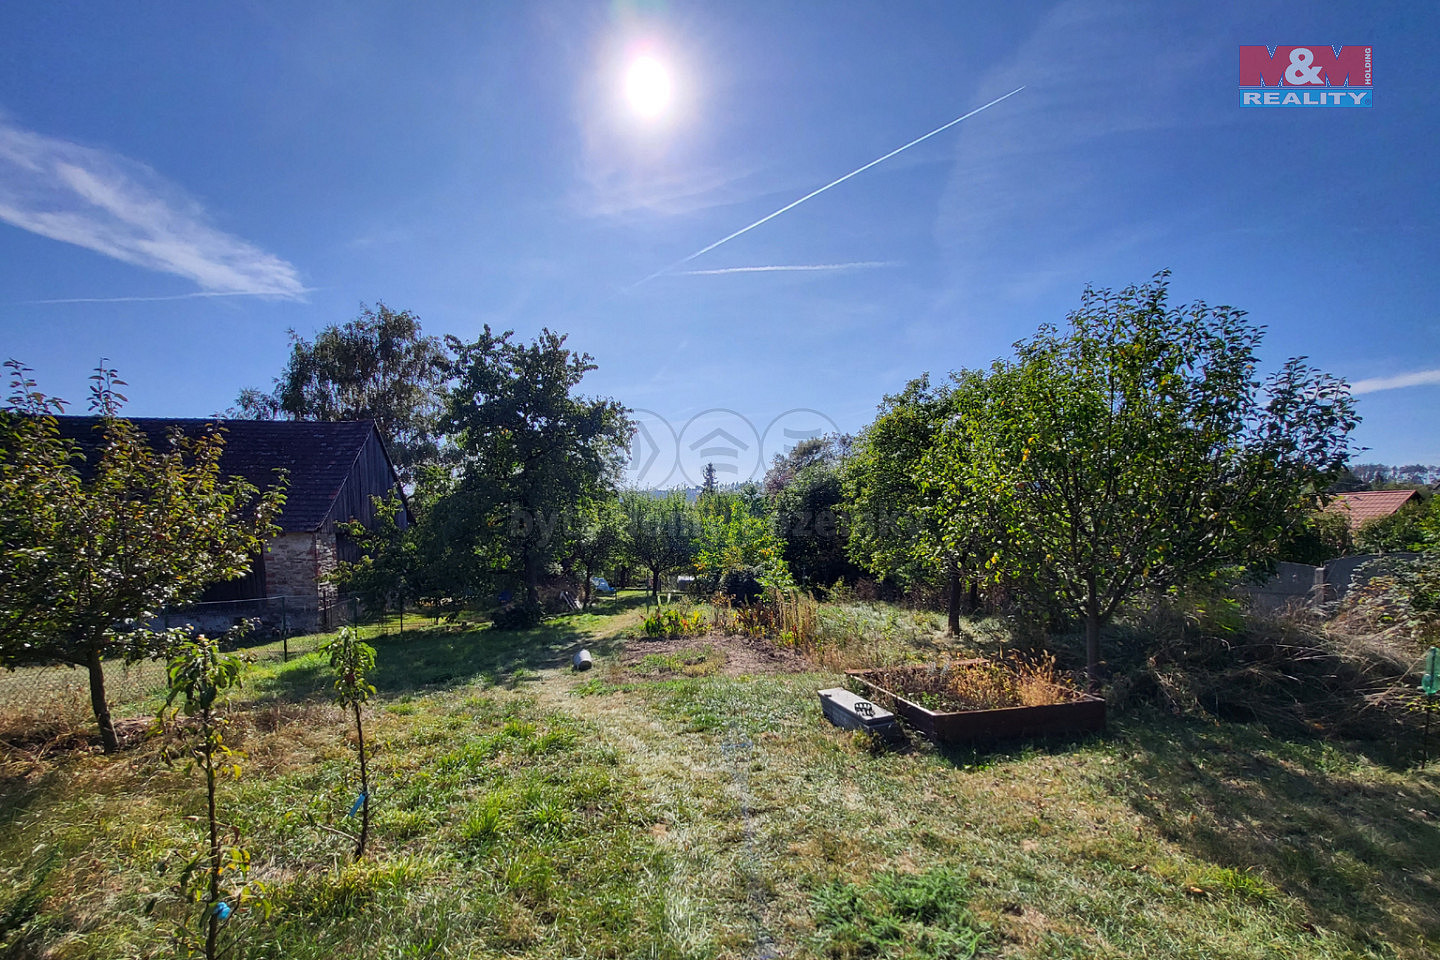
[(983, 756), (1359, 848), (442, 657)]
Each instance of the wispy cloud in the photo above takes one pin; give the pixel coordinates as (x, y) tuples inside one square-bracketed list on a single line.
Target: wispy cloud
[(618, 191), (788, 268), (1031, 187), (123, 209), (178, 296), (1419, 378)]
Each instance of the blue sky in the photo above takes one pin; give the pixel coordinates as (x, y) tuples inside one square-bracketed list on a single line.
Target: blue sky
[(181, 184)]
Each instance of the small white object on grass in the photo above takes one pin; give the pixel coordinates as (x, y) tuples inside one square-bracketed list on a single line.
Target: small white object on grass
[(582, 660)]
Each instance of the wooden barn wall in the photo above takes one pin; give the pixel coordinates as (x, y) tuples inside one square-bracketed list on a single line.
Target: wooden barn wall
[(371, 476), (249, 587)]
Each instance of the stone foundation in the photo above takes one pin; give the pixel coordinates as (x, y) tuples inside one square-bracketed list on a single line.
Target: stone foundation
[(295, 565)]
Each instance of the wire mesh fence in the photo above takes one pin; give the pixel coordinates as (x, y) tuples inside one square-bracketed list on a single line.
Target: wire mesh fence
[(283, 628)]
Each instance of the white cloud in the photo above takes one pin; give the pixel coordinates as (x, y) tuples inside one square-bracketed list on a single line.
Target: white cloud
[(123, 209), (1417, 379), (203, 294)]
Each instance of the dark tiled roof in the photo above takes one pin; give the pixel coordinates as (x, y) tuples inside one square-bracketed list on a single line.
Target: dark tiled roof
[(318, 456), (1366, 505)]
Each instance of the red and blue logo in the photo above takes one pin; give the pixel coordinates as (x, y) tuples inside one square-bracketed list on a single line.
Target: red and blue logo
[(1318, 75)]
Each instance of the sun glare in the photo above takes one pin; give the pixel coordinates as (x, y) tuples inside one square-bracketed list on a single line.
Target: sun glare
[(647, 86)]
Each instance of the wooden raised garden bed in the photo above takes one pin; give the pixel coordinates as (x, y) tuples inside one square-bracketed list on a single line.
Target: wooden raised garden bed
[(1073, 714)]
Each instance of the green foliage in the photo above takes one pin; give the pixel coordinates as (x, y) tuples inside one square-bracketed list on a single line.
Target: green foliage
[(736, 532), (351, 660), (669, 622), (1138, 449), (1414, 527), (86, 561), (829, 451), (389, 570), (533, 454), (659, 532), (1318, 537), (200, 676), (807, 517), (457, 555), (708, 483), (889, 523), (597, 539), (376, 367), (742, 585), (905, 916), (512, 828), (787, 617), (1401, 593)]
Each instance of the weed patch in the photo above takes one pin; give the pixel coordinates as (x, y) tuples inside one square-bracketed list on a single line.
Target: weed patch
[(906, 916), (670, 622)]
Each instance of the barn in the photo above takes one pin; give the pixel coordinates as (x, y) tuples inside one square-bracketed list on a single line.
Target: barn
[(334, 469)]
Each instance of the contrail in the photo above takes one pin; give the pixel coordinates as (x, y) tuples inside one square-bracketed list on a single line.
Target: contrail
[(832, 183), (1418, 379), (788, 268)]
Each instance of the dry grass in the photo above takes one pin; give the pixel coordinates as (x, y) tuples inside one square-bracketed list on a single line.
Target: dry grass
[(1290, 670), (790, 618), (958, 686)]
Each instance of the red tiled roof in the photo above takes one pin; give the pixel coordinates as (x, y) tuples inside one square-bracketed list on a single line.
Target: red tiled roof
[(1368, 505)]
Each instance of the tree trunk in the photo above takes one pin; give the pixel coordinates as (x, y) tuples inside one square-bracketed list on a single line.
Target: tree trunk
[(212, 919), (98, 702), (532, 579), (364, 787), (974, 602), (1092, 647), (956, 588), (655, 583)]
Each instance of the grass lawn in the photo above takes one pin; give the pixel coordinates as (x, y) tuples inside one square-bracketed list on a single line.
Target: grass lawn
[(672, 804)]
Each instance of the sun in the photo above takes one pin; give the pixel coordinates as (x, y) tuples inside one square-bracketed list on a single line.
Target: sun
[(648, 86)]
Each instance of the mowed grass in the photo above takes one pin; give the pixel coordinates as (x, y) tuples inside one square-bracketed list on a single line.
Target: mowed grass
[(521, 809)]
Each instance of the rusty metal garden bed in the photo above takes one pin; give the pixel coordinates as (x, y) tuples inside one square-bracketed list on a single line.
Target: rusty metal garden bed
[(1081, 714)]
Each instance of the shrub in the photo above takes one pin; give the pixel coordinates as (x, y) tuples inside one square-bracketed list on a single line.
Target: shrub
[(669, 622), (741, 585), (788, 617), (520, 616)]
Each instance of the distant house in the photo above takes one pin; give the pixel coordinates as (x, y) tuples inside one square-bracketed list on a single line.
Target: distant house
[(1365, 505), (334, 469)]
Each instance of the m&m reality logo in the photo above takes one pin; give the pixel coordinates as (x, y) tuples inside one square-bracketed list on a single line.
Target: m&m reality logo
[(1318, 75)]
